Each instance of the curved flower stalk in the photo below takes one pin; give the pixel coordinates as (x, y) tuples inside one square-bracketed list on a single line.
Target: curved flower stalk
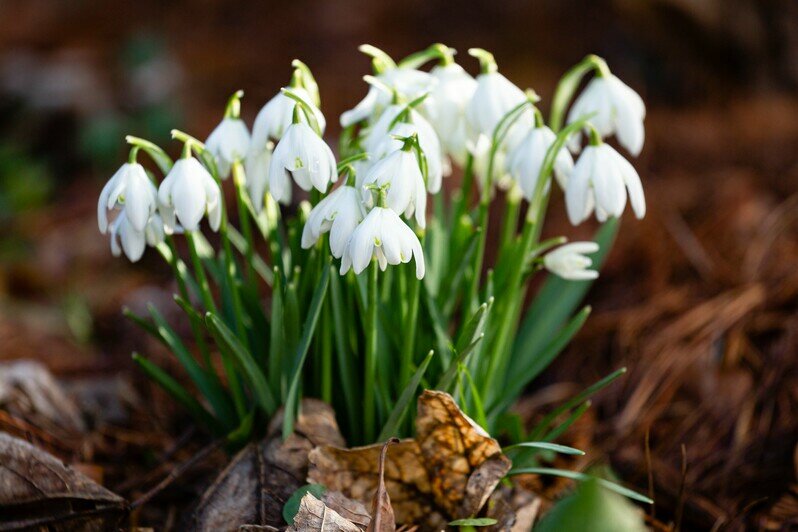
[(382, 235), (187, 193), (526, 160), (277, 115), (130, 188), (229, 141), (615, 108), (409, 82), (569, 261), (400, 173), (339, 214), (600, 180)]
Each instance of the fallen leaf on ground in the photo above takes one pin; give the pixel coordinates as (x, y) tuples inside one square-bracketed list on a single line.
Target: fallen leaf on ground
[(254, 487), (382, 518), (315, 516), (38, 491), (448, 472), (28, 390)]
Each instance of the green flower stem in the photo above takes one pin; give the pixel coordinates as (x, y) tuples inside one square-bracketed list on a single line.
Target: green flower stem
[(199, 272), (326, 354), (180, 272), (370, 369), (499, 132), (566, 88), (409, 332), (510, 220), (239, 180)]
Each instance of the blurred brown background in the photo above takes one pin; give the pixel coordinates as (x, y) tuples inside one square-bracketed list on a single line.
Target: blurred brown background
[(699, 299)]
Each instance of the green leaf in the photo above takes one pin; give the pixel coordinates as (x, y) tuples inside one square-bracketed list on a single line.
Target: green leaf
[(207, 385), (178, 393), (474, 521), (258, 264), (575, 475), (397, 415), (446, 380), (340, 331), (525, 370), (302, 351), (277, 338), (291, 506), (253, 373), (563, 449)]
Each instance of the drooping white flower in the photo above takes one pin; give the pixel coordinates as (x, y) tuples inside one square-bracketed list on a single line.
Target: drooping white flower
[(256, 167), (446, 107), (277, 115), (493, 98), (339, 213), (129, 187), (480, 151), (384, 236), (569, 261), (600, 179), (408, 82), (406, 193), (618, 110), (188, 192), (526, 160), (133, 241), (302, 155), (228, 143), (428, 142)]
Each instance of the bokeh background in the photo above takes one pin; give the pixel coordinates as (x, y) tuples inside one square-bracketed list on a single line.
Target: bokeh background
[(698, 300)]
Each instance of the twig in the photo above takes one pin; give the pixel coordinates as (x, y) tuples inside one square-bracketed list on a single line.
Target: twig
[(652, 510), (177, 472), (680, 499)]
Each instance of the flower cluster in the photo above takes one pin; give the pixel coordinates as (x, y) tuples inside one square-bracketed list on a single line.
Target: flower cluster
[(378, 201)]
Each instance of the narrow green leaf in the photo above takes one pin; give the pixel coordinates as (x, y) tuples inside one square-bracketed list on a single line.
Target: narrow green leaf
[(302, 350), (258, 264), (574, 475), (562, 449), (277, 338), (253, 373), (397, 415), (178, 393), (446, 380), (474, 521), (207, 385)]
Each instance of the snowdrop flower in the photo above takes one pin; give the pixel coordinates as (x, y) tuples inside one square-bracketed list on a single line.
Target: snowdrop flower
[(428, 142), (401, 174), (600, 179), (569, 261), (228, 143), (129, 187), (384, 236), (526, 160), (408, 82), (339, 213), (256, 167), (493, 98), (618, 110), (133, 241), (277, 115), (480, 151), (302, 155), (446, 107), (188, 192)]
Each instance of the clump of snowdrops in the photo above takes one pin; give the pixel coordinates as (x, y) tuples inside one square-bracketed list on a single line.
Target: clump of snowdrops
[(354, 277)]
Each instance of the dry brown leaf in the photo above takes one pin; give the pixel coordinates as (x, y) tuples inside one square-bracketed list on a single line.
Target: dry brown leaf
[(38, 491), (254, 487), (447, 473), (514, 509), (382, 518), (315, 516), (349, 509), (464, 463), (28, 390)]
